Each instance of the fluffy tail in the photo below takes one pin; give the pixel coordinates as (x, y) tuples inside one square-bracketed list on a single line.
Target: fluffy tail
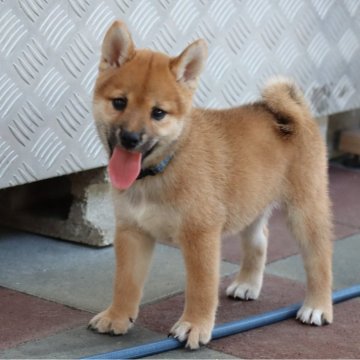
[(283, 98)]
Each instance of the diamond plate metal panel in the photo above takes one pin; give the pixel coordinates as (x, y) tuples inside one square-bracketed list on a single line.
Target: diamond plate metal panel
[(49, 53)]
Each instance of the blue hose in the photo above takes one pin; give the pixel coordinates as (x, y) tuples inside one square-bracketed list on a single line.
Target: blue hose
[(230, 328)]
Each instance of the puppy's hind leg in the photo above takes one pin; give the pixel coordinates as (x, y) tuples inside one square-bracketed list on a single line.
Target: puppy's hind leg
[(310, 222), (248, 282)]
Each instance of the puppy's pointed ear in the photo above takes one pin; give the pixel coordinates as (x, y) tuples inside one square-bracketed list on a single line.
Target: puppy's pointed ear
[(189, 64), (117, 47)]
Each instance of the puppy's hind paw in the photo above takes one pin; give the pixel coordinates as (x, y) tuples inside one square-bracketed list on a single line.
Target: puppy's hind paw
[(313, 316), (243, 291)]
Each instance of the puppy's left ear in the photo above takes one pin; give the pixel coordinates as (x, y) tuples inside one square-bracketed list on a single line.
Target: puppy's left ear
[(189, 64), (117, 47)]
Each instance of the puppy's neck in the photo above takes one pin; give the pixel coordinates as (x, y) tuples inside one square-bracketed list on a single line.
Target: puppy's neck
[(155, 169)]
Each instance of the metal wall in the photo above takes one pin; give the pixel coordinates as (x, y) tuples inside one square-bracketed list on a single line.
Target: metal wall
[(49, 53)]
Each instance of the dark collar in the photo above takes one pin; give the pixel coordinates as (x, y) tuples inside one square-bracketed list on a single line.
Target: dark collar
[(156, 169)]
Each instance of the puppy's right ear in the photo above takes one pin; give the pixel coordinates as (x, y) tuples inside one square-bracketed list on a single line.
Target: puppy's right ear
[(117, 47)]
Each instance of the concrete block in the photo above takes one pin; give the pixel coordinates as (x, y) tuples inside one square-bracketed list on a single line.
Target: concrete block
[(77, 208)]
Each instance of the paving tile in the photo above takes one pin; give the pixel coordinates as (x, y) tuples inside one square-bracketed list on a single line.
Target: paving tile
[(80, 276), (346, 265), (78, 342), (342, 231), (277, 292), (290, 339), (202, 353), (345, 194), (24, 317)]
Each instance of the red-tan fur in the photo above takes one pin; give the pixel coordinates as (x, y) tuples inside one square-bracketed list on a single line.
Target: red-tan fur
[(229, 168)]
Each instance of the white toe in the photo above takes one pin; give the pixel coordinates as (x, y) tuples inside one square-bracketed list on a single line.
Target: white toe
[(181, 330), (311, 316), (243, 291)]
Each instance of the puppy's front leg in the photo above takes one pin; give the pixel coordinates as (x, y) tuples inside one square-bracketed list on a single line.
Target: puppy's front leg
[(201, 250), (133, 255)]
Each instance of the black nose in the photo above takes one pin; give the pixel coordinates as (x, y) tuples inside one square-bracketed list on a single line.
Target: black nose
[(129, 140)]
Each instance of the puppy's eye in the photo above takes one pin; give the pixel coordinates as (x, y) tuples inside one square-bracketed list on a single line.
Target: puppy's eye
[(119, 104), (158, 114)]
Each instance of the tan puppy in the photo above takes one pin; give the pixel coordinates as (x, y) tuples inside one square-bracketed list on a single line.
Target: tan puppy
[(187, 175)]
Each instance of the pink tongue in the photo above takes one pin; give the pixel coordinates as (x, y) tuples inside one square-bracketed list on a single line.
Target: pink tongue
[(124, 168)]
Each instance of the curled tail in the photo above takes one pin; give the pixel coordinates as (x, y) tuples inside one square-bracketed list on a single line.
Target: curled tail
[(283, 98)]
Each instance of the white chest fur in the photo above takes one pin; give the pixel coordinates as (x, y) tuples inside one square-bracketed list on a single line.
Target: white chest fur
[(161, 221)]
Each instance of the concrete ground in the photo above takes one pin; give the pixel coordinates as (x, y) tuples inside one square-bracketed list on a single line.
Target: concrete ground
[(49, 290)]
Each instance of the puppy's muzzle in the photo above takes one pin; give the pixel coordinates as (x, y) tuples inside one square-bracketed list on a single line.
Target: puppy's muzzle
[(130, 140)]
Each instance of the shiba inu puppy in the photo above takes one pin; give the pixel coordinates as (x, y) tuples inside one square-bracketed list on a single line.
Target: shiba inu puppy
[(187, 175)]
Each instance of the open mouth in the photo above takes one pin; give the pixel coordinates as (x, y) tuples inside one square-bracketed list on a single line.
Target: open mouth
[(125, 166), (150, 150), (145, 149)]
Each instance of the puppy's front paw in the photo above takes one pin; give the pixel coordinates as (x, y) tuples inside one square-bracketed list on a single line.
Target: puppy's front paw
[(196, 334), (243, 291), (111, 322), (314, 316)]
